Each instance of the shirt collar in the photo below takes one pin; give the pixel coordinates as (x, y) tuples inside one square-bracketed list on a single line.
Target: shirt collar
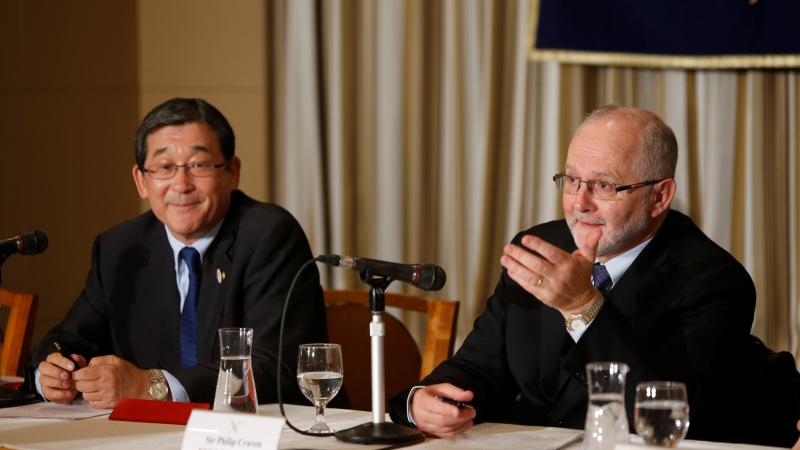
[(617, 265), (201, 245)]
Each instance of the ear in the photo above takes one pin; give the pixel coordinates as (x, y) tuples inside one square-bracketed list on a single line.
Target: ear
[(236, 170), (138, 180), (663, 193)]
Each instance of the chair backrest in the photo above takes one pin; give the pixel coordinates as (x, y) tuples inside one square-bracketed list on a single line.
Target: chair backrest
[(348, 324), (19, 328)]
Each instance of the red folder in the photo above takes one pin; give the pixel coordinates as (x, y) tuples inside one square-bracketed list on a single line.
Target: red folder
[(154, 411)]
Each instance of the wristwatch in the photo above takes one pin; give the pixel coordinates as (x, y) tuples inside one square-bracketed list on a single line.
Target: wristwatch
[(579, 322), (158, 385)]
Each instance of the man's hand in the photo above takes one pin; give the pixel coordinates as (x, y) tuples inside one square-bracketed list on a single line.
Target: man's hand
[(109, 379), (559, 279), (55, 377), (437, 418)]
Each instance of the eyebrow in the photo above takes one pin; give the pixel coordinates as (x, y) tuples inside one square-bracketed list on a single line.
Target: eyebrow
[(197, 148), (595, 175)]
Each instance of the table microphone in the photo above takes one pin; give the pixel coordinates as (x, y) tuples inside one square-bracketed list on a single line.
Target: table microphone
[(429, 277), (28, 242)]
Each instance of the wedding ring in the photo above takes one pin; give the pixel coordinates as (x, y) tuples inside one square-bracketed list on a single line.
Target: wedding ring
[(540, 281)]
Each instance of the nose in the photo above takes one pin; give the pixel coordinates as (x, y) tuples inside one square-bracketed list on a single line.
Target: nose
[(583, 199), (181, 182)]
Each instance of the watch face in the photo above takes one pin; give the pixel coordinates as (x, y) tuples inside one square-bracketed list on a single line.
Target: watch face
[(158, 391), (577, 324)]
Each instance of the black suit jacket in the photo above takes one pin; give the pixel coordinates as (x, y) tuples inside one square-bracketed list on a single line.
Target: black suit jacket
[(682, 311), (130, 306)]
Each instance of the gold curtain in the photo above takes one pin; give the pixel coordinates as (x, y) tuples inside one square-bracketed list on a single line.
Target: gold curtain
[(418, 131)]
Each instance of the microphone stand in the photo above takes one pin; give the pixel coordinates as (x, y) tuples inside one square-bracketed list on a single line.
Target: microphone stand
[(379, 431), (3, 257)]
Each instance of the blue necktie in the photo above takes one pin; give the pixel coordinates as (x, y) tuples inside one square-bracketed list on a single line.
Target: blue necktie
[(601, 279), (189, 313)]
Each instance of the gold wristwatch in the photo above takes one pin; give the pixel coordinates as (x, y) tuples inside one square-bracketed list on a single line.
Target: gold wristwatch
[(579, 322), (158, 385)]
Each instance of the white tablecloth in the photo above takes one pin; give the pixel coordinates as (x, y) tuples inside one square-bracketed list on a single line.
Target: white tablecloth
[(101, 433)]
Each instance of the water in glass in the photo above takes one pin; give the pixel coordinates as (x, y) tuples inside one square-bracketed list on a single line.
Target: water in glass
[(661, 413), (236, 390), (606, 421), (320, 387)]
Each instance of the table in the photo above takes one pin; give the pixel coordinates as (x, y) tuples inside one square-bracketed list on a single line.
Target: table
[(101, 433)]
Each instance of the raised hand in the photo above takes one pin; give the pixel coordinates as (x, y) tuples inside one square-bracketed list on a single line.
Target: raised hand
[(558, 279)]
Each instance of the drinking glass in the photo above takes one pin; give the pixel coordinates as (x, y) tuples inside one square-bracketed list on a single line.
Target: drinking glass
[(236, 389), (606, 419), (661, 412), (319, 374)]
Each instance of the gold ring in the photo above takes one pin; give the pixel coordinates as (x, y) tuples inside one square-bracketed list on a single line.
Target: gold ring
[(540, 281)]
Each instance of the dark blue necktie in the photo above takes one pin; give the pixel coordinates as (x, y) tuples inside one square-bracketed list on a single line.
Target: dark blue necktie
[(600, 278), (189, 313)]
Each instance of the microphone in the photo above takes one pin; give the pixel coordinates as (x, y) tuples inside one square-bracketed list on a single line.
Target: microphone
[(28, 242), (429, 277)]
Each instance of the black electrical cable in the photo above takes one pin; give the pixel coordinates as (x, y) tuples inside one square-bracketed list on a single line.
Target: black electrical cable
[(280, 353)]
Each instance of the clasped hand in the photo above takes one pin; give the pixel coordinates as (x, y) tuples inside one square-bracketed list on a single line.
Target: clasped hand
[(103, 382), (558, 279)]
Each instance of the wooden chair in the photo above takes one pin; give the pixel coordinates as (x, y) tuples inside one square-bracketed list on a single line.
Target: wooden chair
[(348, 324), (19, 328)]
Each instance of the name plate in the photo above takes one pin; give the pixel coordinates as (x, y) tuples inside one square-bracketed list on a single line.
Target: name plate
[(208, 430)]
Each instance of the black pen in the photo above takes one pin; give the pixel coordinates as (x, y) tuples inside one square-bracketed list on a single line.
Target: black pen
[(450, 401), (64, 353)]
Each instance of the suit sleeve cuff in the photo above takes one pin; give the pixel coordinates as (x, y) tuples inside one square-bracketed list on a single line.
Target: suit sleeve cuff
[(38, 384), (408, 404)]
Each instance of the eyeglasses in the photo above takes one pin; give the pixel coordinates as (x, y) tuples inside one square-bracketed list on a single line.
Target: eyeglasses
[(597, 188), (193, 169)]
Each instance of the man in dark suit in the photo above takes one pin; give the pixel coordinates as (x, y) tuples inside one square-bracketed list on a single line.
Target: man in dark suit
[(205, 256), (669, 302)]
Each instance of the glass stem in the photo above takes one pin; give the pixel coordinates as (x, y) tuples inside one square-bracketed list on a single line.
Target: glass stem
[(320, 417)]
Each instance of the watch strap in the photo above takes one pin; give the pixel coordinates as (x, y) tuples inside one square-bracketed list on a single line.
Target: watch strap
[(586, 316), (156, 376)]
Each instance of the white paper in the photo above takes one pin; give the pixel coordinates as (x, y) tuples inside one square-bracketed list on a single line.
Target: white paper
[(543, 438), (9, 379), (208, 430), (79, 409)]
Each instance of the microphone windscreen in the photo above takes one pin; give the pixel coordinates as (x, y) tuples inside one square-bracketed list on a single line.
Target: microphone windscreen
[(432, 277), (33, 242)]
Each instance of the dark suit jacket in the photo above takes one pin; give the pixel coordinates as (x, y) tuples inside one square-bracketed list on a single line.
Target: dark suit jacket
[(130, 306), (681, 311)]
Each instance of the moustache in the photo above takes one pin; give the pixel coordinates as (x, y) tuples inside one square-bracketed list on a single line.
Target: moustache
[(579, 216)]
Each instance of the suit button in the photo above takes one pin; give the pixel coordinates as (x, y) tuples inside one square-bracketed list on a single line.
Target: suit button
[(560, 423)]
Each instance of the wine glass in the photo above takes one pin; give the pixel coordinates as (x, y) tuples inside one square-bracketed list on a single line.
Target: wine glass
[(661, 412), (319, 374)]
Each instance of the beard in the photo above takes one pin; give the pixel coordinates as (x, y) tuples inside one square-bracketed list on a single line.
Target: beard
[(615, 239)]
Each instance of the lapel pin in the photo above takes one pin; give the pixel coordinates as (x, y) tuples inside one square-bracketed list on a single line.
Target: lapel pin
[(220, 276)]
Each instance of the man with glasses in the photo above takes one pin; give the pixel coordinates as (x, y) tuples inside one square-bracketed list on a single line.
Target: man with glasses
[(623, 278), (205, 256)]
